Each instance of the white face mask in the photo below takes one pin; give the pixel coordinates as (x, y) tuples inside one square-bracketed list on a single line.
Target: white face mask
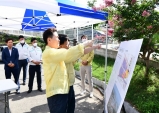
[(35, 44), (22, 41), (83, 40)]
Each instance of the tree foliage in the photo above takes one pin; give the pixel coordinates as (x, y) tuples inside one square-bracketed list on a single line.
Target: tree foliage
[(133, 19)]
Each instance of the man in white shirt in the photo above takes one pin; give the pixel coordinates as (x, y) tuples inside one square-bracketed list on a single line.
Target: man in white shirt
[(23, 47), (35, 58)]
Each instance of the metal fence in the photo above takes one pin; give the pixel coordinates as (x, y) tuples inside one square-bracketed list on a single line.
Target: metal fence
[(25, 33)]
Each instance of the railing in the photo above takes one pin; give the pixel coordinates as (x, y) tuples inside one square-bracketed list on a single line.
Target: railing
[(25, 33)]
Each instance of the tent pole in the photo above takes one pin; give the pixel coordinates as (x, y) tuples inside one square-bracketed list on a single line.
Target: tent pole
[(92, 32), (106, 56), (77, 34), (41, 34)]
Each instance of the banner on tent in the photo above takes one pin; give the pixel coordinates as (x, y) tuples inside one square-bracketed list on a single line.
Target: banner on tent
[(121, 75)]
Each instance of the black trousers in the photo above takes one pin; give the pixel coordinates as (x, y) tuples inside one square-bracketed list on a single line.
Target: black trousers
[(15, 75), (58, 103), (62, 103), (71, 100), (23, 64), (32, 70)]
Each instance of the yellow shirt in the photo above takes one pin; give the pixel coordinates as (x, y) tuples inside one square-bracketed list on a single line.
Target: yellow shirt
[(88, 57), (55, 73), (71, 73)]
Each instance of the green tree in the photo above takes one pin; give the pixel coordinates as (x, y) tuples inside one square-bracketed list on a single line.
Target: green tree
[(135, 20), (4, 36)]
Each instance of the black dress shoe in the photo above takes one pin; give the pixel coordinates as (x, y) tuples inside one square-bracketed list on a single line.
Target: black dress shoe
[(29, 91), (40, 90), (23, 83)]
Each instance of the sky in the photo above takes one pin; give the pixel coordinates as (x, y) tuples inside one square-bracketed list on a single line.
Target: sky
[(84, 2)]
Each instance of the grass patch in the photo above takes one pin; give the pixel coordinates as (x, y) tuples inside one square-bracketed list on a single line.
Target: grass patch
[(143, 93), (98, 67)]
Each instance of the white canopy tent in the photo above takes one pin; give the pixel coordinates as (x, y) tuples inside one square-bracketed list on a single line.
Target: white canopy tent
[(38, 15)]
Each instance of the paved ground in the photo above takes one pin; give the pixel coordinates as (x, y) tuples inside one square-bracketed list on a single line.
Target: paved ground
[(35, 102)]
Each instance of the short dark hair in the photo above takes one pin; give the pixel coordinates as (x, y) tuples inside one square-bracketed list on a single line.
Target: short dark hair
[(48, 33), (32, 39), (83, 36), (8, 39), (63, 38), (21, 36)]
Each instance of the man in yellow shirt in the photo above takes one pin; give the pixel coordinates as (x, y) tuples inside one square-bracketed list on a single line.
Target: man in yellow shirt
[(86, 68), (64, 43), (55, 72)]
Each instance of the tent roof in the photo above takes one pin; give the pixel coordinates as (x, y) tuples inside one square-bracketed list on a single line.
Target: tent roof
[(39, 15)]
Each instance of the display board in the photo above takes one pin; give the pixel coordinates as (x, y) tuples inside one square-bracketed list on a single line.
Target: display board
[(121, 75)]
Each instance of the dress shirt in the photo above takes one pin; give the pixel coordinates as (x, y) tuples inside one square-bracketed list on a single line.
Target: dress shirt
[(10, 51), (23, 51), (35, 53)]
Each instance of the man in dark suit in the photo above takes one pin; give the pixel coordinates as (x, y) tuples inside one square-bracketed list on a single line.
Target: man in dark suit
[(10, 57)]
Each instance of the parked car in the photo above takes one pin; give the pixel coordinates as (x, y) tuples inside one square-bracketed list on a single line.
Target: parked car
[(1, 49)]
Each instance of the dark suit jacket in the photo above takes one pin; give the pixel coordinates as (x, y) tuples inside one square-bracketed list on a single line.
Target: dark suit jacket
[(7, 58)]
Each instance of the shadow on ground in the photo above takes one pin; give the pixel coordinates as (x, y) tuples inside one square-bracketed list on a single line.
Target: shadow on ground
[(42, 108), (85, 107), (15, 97)]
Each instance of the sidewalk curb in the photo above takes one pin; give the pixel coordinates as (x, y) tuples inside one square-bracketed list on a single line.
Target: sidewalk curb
[(100, 86)]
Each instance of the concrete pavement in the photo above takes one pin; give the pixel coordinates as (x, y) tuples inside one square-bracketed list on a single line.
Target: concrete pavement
[(36, 101)]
